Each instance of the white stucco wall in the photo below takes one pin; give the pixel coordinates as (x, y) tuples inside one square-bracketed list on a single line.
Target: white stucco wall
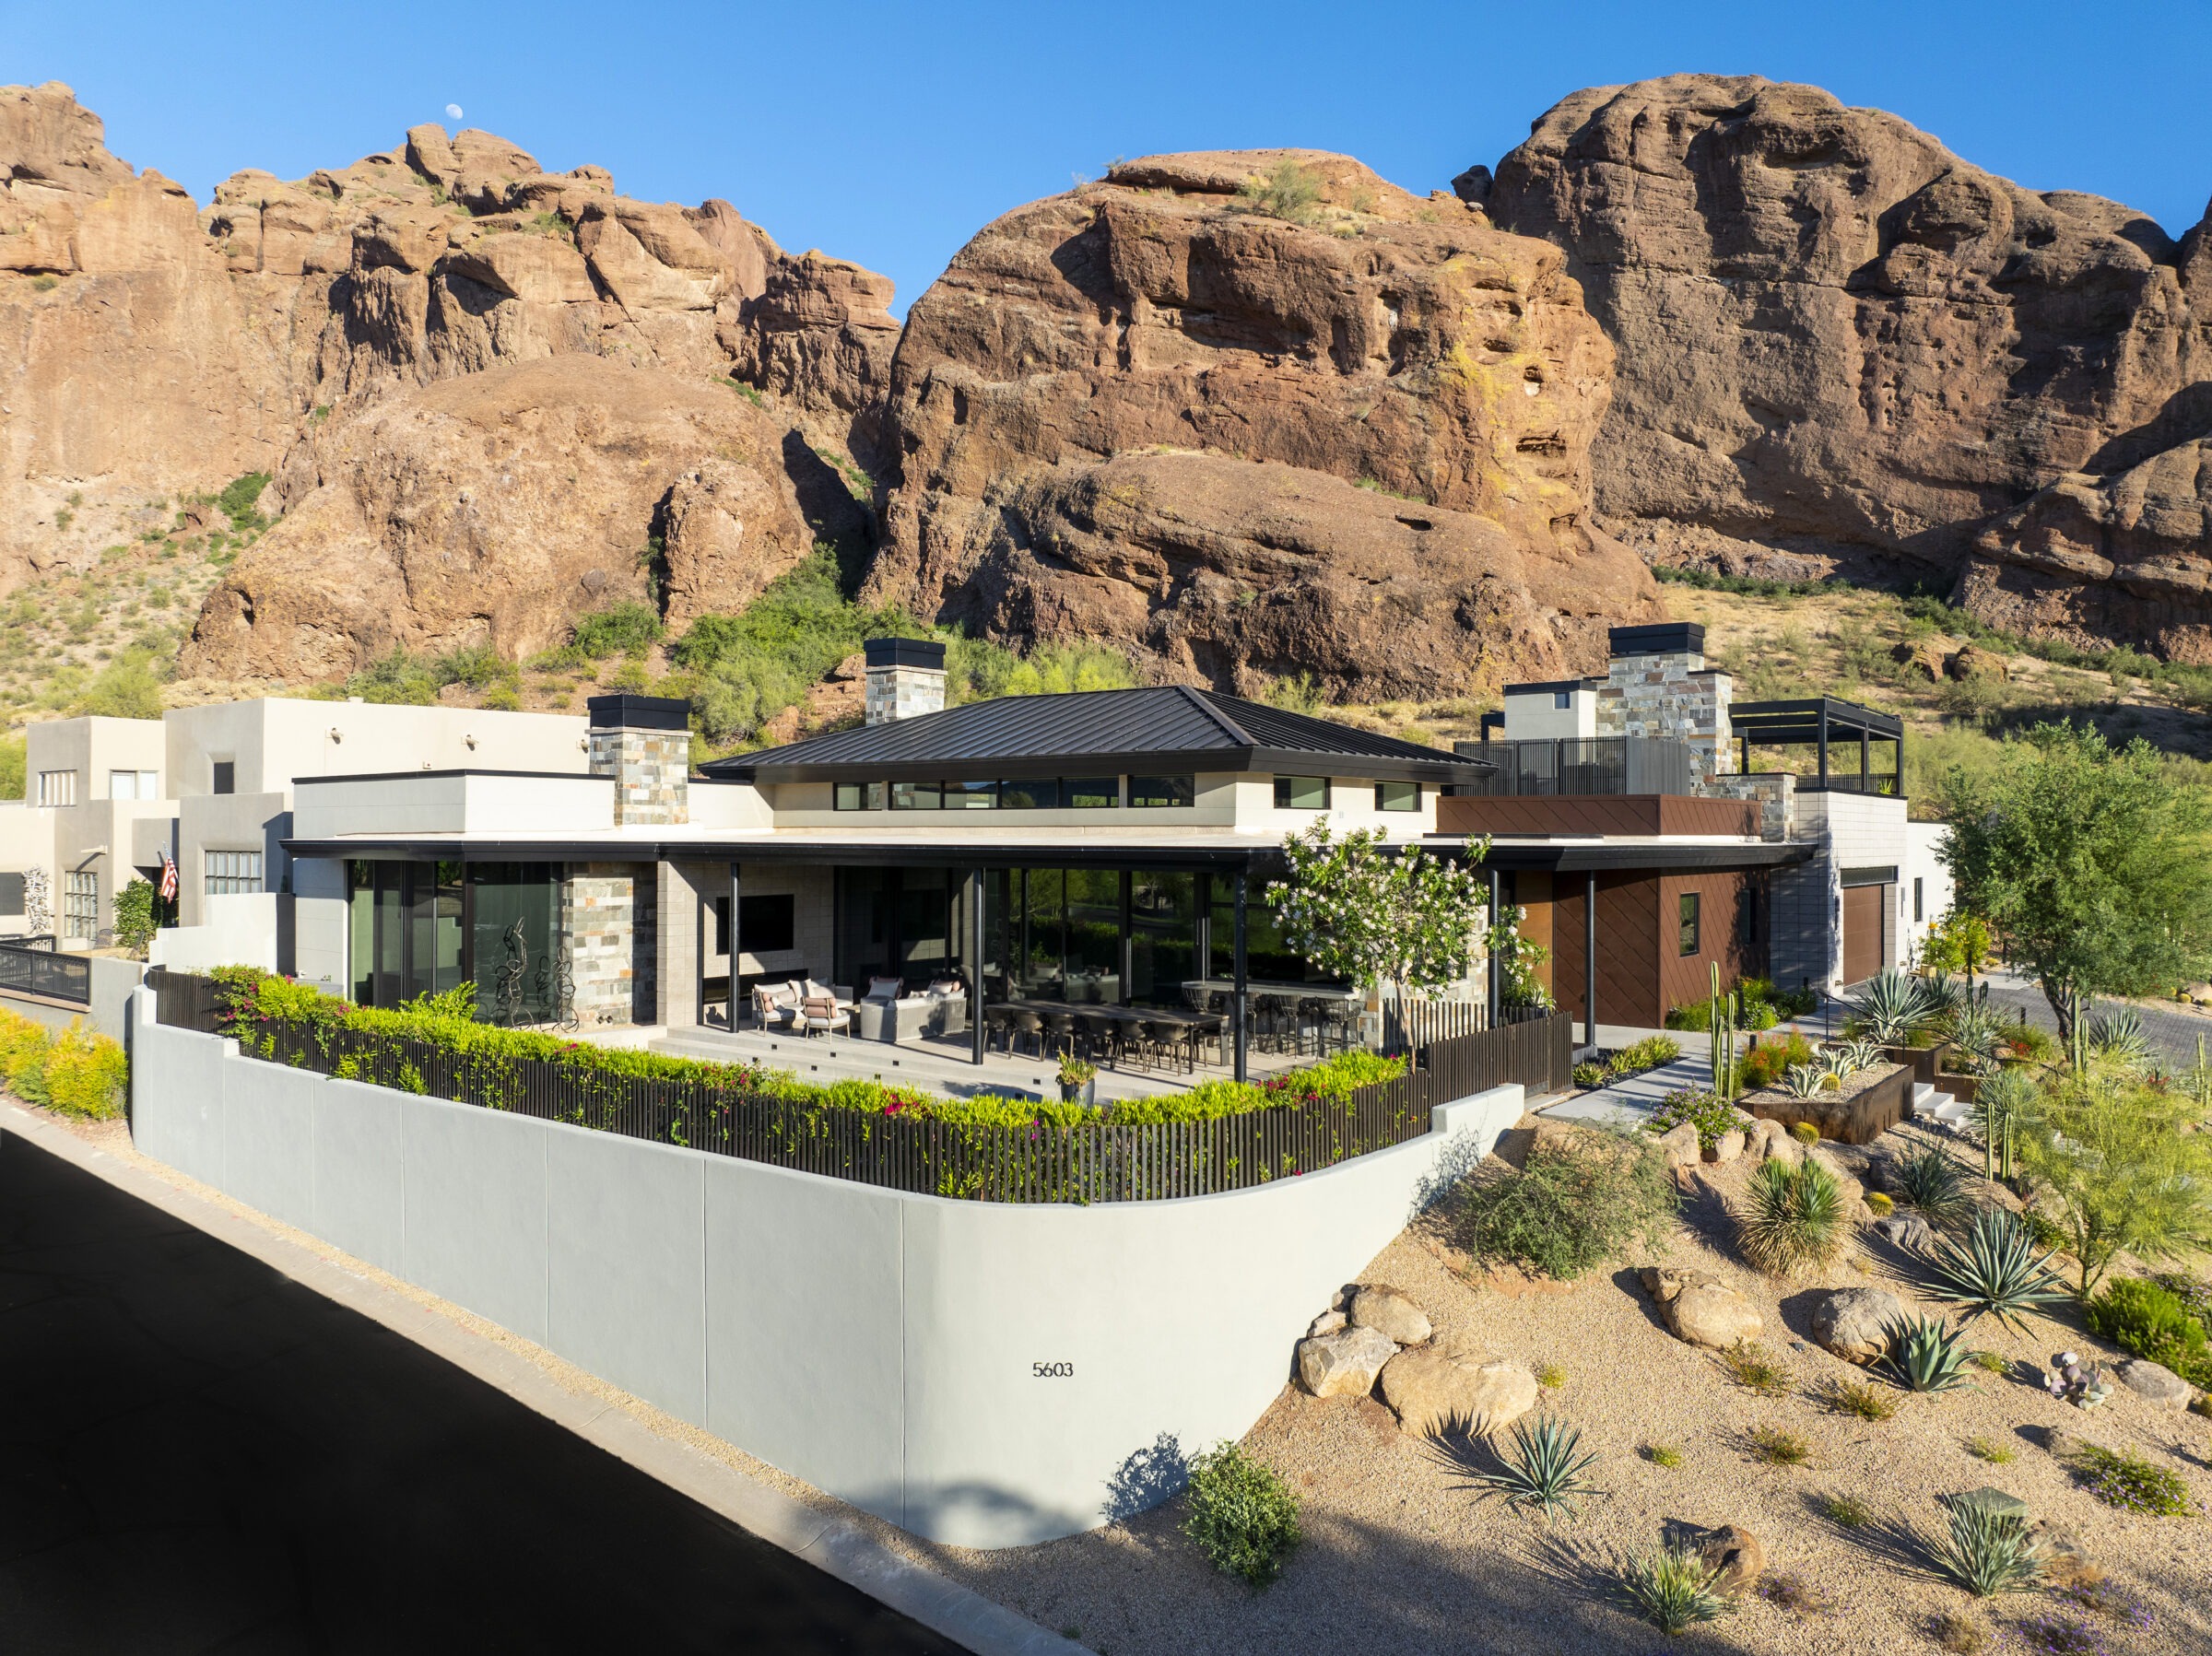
[(240, 930), (1924, 867), (881, 1345)]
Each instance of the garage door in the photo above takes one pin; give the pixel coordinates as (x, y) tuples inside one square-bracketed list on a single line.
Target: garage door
[(1862, 932)]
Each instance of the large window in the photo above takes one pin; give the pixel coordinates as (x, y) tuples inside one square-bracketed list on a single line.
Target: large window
[(1397, 796), (57, 787), (134, 784), (1090, 792), (80, 902), (917, 796), (971, 796), (1155, 791), (1029, 793), (1301, 792), (891, 922), (422, 928), (859, 796), (1688, 941), (233, 873)]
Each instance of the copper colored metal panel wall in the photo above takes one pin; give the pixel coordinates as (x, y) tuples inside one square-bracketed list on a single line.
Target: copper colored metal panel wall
[(1532, 890), (1627, 942), (1596, 813), (1681, 814), (1686, 978)]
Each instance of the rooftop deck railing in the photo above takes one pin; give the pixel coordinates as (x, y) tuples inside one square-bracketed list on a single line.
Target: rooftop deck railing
[(724, 1115), (41, 972), (1582, 766)]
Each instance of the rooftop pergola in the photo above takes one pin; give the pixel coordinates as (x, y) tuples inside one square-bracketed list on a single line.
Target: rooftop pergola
[(1821, 722)]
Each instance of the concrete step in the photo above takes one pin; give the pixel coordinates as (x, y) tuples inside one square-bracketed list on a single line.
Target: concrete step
[(1921, 1092)]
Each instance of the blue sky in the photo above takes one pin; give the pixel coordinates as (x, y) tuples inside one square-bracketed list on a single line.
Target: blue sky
[(888, 133)]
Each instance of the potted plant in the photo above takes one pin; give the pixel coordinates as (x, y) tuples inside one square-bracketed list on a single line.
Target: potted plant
[(1079, 1080)]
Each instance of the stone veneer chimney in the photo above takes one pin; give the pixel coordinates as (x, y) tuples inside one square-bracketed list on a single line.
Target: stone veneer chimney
[(906, 677), (644, 743), (1658, 685)]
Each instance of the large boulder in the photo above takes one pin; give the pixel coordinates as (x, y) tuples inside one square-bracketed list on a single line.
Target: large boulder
[(1735, 1557), (1908, 1231), (1699, 1309), (1841, 345), (1344, 1364), (2156, 1383), (1391, 1312), (1431, 1390), (1079, 401), (1680, 1145), (1852, 1322)]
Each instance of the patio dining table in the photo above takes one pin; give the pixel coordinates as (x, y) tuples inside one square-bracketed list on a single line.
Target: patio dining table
[(1210, 1023)]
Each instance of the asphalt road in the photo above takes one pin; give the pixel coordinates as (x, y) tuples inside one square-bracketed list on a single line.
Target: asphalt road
[(2173, 1034), (197, 1454)]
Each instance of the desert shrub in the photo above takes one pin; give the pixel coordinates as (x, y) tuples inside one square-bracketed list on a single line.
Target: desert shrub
[(128, 688), (1990, 1449), (87, 1074), (1662, 1454), (2120, 1168), (137, 916), (1772, 1446), (1846, 1511), (1544, 1469), (2125, 1479), (479, 666), (2195, 1295), (1957, 1635), (1713, 1117), (240, 498), (1753, 1368), (1673, 1589), (1996, 1269), (2151, 1322), (1551, 1375), (1796, 1595), (1288, 191), (1242, 1515), (1647, 1054), (1929, 1181), (1769, 1061), (13, 782), (618, 629), (23, 1047), (1574, 1205), (1792, 1219), (1857, 1397), (1987, 1551), (1925, 1355), (397, 680)]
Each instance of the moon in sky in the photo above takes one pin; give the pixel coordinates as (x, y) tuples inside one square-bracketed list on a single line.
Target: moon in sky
[(453, 112)]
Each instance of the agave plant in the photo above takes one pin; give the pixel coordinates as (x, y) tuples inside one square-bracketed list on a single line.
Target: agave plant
[(1941, 996), (1804, 1080), (1995, 1270), (1929, 1181), (1837, 1066), (1925, 1353), (1982, 1033), (2115, 1035), (1545, 1469), (1673, 1589), (1889, 1006), (1988, 1552), (1792, 1219), (1865, 1054)]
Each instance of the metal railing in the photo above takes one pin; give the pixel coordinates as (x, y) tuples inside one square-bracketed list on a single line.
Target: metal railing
[(1582, 766), (728, 1114), (41, 971)]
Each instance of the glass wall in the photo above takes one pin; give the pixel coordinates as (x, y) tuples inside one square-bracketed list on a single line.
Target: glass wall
[(899, 922), (423, 928), (1266, 956), (1061, 934)]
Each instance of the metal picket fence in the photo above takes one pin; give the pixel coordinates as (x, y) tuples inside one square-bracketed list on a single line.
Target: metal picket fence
[(727, 1111)]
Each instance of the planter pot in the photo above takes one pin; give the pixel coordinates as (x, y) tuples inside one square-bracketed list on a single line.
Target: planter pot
[(1079, 1092), (1858, 1120)]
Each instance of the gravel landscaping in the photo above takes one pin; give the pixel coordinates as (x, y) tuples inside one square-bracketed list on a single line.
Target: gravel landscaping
[(1403, 1554)]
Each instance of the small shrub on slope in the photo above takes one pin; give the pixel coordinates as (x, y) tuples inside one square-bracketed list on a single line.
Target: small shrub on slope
[(1575, 1205), (1243, 1516)]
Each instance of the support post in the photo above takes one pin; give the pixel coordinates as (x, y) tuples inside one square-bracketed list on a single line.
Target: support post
[(1496, 988), (1240, 1012), (1590, 960), (1126, 961), (1866, 768), (1823, 741), (976, 965), (736, 949)]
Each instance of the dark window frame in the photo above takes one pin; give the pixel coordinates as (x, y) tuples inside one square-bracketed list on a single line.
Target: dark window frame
[(1414, 805), (1163, 799), (864, 796), (1108, 786), (222, 775), (915, 792), (1284, 802), (1690, 910)]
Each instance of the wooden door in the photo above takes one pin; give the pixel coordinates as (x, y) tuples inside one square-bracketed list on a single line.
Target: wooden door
[(1862, 932)]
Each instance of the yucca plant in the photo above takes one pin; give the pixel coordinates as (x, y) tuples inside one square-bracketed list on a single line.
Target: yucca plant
[(1988, 1552), (1925, 1353), (1792, 1218), (1929, 1179), (1889, 1006), (2115, 1035), (1995, 1270), (1673, 1589), (1804, 1080), (1545, 1469)]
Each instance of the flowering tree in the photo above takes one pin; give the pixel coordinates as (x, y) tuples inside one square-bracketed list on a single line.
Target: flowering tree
[(1357, 912), (1518, 957)]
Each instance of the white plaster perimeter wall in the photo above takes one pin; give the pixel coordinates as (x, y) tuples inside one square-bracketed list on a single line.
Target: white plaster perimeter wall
[(885, 1348), (239, 930)]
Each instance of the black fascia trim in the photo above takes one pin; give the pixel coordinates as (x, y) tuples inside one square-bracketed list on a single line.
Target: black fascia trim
[(1601, 858), (401, 776), (881, 855), (1552, 683), (1197, 761)]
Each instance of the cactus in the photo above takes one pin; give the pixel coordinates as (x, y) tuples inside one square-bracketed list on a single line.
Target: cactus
[(1725, 1011)]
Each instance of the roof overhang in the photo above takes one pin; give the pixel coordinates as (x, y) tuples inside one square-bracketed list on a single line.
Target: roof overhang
[(1800, 721), (1438, 773), (1601, 856), (870, 853)]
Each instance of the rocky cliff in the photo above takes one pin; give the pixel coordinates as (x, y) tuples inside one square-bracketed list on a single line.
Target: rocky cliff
[(159, 350), (1256, 414), (1841, 346)]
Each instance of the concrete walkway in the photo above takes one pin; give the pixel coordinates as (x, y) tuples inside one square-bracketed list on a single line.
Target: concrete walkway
[(1635, 1101)]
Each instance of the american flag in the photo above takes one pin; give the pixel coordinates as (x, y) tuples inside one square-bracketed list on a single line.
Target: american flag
[(168, 877)]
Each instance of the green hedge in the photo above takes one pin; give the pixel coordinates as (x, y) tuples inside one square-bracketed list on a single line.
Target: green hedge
[(255, 1004)]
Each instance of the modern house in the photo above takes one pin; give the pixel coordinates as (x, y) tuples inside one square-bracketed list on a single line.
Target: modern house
[(1625, 814), (1101, 850)]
